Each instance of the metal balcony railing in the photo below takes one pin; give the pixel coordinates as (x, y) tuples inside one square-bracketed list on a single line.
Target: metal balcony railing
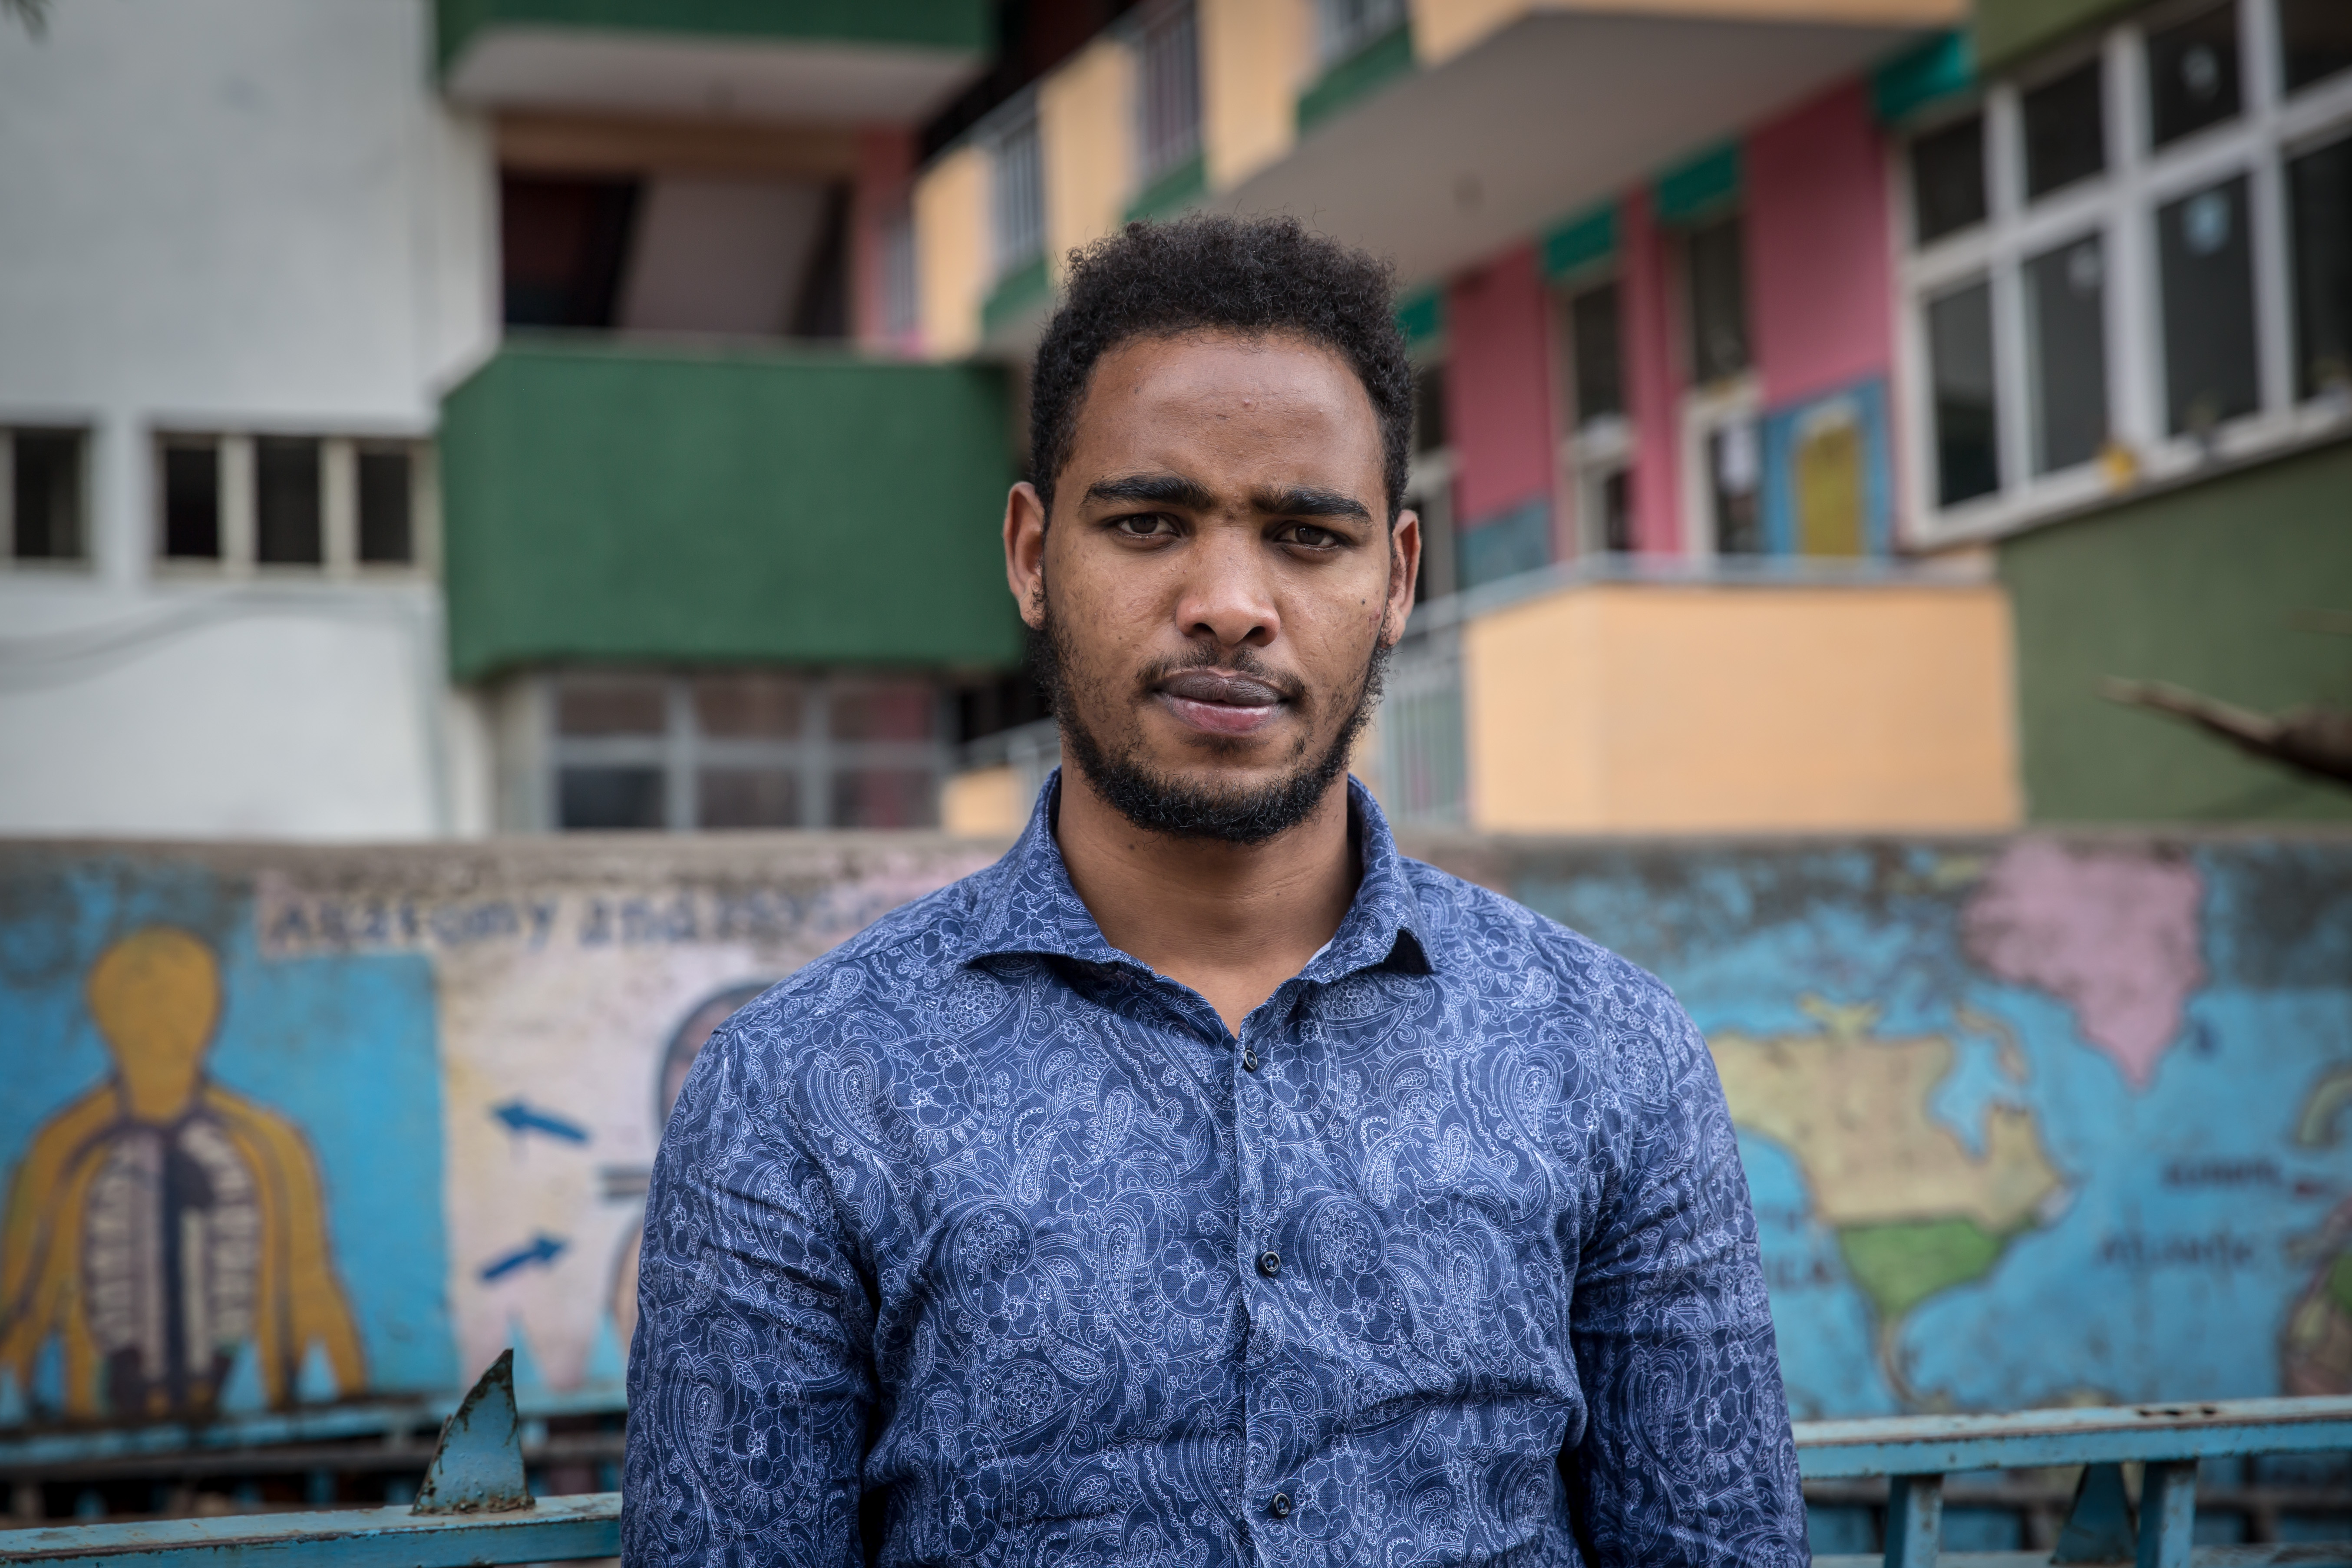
[(480, 1461)]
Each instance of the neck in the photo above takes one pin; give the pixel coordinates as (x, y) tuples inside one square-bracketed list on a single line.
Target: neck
[(1232, 921)]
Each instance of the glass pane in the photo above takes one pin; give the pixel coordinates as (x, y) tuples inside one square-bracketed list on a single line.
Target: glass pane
[(1718, 302), (2207, 261), (2066, 328), (1947, 179), (2192, 74), (903, 710), (47, 480), (1617, 511), (1731, 462), (1428, 409), (609, 797), (287, 531), (749, 705), (2065, 130), (883, 798), (384, 513), (192, 502), (1599, 354), (2320, 187), (747, 797), (588, 706), (1959, 361), (2315, 40)]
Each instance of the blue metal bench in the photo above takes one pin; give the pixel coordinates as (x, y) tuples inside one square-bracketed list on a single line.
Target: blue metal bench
[(476, 1476)]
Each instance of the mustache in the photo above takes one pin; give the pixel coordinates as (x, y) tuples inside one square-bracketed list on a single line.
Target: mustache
[(1239, 676)]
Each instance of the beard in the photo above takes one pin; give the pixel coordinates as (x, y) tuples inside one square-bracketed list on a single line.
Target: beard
[(1157, 803)]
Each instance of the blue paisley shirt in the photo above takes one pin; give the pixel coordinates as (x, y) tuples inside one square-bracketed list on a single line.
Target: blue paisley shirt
[(977, 1241)]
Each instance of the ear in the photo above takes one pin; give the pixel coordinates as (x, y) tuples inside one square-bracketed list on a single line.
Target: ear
[(1405, 570), (1024, 551)]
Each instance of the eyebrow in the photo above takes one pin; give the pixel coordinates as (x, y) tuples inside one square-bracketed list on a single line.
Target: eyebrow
[(1175, 489)]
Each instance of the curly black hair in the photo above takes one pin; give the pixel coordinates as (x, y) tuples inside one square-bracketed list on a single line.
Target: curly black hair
[(1210, 271)]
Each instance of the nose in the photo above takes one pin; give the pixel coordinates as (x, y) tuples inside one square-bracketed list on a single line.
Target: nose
[(1226, 597)]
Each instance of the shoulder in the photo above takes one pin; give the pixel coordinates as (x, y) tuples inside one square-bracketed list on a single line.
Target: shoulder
[(1612, 1007)]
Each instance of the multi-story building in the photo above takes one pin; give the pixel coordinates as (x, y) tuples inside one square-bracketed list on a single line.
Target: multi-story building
[(1818, 400), (422, 419), (527, 413)]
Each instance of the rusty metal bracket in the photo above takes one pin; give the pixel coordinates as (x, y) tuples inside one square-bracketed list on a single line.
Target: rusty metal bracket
[(477, 1464)]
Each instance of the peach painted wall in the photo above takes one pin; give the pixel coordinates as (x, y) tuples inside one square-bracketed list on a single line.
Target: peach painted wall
[(1818, 246), (1620, 708), (1499, 387), (1654, 377), (885, 173)]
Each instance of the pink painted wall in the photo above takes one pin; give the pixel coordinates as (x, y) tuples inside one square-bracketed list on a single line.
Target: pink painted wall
[(1498, 415), (1653, 378), (1818, 240), (885, 173)]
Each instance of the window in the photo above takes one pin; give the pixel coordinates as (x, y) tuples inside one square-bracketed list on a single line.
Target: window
[(1020, 197), (1947, 180), (1734, 477), (2066, 337), (2130, 306), (1429, 484), (43, 492), (1346, 26), (1719, 301), (1959, 363), (563, 246), (289, 504), (1172, 89), (2315, 41), (2192, 74), (2065, 130), (2320, 187), (743, 749), (1599, 447)]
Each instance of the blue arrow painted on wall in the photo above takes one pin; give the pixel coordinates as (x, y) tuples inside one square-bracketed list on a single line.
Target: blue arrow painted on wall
[(542, 1251), (520, 1118)]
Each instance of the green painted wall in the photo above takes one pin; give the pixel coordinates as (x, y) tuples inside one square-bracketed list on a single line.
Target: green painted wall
[(608, 502), (2214, 587), (2008, 30), (958, 25)]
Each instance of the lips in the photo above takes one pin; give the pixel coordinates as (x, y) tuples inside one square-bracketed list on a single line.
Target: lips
[(1219, 702)]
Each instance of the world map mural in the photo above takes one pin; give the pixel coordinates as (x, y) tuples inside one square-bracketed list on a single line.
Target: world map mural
[(2027, 1121)]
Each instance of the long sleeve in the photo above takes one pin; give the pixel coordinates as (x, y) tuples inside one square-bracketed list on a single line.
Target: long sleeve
[(750, 1373), (1685, 1457)]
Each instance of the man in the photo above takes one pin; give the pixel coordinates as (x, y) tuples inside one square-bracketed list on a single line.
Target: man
[(1204, 1183)]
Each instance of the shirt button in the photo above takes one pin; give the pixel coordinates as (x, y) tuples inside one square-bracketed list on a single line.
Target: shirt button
[(1249, 1061), (1270, 1264), (1280, 1505)]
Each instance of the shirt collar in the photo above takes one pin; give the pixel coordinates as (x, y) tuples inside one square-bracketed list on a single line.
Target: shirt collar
[(1028, 905)]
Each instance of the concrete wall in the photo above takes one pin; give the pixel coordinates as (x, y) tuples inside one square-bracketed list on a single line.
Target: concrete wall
[(2027, 1120), (228, 215), (1624, 708), (2240, 587)]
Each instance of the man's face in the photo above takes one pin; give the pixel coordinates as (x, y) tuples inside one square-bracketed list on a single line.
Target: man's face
[(1217, 580)]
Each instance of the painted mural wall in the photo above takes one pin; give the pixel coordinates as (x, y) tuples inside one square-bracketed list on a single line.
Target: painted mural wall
[(2028, 1121)]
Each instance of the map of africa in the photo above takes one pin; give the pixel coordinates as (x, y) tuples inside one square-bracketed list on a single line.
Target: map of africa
[(2039, 1123)]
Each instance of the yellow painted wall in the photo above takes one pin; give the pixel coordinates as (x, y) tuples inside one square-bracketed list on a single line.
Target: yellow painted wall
[(1633, 708), (1444, 28), (986, 803), (1256, 58), (1085, 133), (951, 251)]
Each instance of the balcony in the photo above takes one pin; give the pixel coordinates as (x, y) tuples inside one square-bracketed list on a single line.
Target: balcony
[(891, 60), (614, 500)]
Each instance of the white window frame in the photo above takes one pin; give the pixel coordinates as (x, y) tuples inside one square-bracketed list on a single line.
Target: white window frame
[(85, 524), (1591, 451), (339, 512), (2120, 205), (681, 750)]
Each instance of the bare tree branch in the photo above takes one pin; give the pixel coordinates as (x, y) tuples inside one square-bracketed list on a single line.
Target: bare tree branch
[(33, 14), (2312, 738)]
